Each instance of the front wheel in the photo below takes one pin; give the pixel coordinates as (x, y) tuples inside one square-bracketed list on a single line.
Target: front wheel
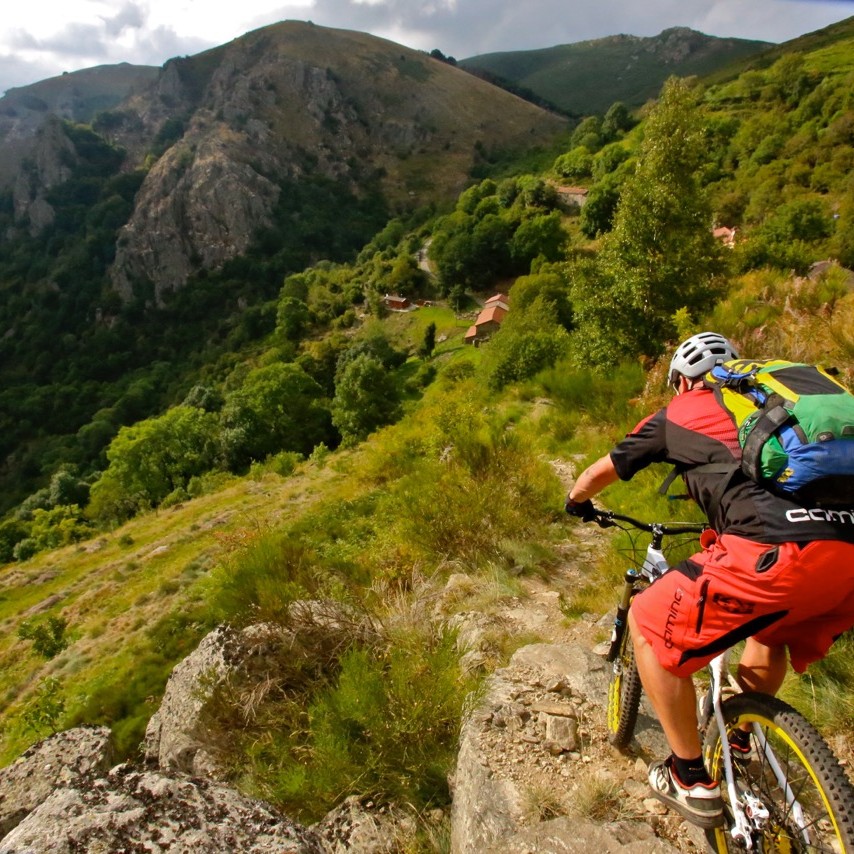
[(624, 692), (809, 799)]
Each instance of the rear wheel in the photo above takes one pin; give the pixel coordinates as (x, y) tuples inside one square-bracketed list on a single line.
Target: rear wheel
[(818, 812), (624, 693)]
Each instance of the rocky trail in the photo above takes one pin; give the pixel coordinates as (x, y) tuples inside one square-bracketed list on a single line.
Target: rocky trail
[(535, 773)]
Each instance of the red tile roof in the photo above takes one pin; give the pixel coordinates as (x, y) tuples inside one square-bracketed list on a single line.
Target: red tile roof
[(493, 312)]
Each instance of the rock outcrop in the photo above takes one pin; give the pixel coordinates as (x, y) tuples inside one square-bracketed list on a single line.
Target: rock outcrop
[(177, 738), (157, 812), (50, 155), (74, 758), (63, 796), (174, 737)]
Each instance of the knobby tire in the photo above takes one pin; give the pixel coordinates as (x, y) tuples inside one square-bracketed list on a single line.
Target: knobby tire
[(821, 787), (624, 693)]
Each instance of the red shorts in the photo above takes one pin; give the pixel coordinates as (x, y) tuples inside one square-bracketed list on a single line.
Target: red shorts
[(800, 596)]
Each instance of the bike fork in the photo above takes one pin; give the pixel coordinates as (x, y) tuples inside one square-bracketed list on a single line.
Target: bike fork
[(748, 812)]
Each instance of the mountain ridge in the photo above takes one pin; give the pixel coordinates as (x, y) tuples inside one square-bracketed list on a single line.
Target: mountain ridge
[(588, 76)]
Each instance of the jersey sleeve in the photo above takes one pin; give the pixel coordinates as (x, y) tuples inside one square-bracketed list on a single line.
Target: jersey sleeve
[(645, 444)]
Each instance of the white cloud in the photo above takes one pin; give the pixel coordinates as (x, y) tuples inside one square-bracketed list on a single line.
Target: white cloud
[(43, 38)]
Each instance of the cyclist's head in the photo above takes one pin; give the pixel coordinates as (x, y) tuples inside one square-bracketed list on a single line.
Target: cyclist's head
[(698, 355)]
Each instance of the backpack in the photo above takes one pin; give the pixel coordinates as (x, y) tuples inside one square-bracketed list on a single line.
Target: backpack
[(795, 427)]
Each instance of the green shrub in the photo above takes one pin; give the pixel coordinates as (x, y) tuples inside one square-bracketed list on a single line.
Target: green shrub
[(259, 583), (604, 398), (44, 712), (384, 727), (25, 549), (48, 637)]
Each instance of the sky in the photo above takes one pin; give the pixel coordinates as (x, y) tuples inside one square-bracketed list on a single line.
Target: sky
[(44, 38)]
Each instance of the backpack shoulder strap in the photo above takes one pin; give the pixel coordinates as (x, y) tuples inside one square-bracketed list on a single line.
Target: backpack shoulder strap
[(772, 417)]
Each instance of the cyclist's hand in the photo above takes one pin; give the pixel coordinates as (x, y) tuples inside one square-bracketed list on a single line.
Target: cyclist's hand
[(583, 510)]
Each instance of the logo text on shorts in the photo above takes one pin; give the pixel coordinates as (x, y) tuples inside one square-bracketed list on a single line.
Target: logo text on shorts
[(672, 614)]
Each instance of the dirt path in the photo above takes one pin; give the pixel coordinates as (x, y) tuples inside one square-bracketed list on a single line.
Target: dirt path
[(582, 776)]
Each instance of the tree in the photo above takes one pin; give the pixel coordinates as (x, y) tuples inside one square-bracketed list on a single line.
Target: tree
[(405, 277), (597, 214), (366, 397), (617, 121), (551, 287), (151, 459), (292, 318), (588, 133), (529, 340), (537, 236), (372, 342), (661, 254), (609, 159), (429, 342), (277, 408), (844, 237)]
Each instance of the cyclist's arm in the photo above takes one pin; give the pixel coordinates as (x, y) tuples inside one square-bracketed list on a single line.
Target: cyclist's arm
[(594, 479), (644, 445)]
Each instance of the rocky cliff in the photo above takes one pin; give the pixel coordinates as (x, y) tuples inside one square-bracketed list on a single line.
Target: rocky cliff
[(77, 97), (224, 133)]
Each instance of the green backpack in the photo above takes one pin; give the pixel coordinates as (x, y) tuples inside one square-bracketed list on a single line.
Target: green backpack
[(795, 427)]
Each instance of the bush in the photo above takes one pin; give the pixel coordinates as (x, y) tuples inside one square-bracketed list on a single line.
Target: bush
[(260, 582), (48, 637), (25, 549), (575, 164), (528, 341), (382, 725), (44, 712)]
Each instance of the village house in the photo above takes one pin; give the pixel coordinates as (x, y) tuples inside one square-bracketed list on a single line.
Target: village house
[(572, 197), (397, 303), (489, 320), (500, 300), (725, 235)]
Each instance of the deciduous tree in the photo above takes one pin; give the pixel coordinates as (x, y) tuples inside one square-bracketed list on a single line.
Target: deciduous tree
[(366, 397), (661, 255)]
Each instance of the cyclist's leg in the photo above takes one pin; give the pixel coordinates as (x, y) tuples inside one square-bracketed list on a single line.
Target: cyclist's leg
[(762, 668), (673, 697)]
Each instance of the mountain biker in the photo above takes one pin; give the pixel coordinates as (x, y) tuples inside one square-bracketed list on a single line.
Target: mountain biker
[(774, 573)]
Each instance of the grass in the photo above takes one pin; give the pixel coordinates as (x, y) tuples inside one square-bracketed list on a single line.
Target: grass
[(541, 803), (597, 797), (134, 602)]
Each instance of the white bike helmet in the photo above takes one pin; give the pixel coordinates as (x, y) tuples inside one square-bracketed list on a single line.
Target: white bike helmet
[(698, 355)]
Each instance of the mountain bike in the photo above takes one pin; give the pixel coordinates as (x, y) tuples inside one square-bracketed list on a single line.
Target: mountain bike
[(785, 792)]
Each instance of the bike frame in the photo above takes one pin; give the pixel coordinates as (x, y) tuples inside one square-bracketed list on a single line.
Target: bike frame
[(749, 813)]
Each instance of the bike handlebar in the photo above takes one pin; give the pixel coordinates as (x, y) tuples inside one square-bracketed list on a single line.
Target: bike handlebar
[(608, 519)]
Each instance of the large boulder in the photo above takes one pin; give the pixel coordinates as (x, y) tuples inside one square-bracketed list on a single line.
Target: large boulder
[(260, 658), (155, 812), (174, 737), (72, 758)]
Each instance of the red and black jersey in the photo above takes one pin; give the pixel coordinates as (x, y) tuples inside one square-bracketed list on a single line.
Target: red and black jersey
[(693, 431)]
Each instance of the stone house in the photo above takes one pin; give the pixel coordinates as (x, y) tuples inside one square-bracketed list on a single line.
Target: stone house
[(572, 197)]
